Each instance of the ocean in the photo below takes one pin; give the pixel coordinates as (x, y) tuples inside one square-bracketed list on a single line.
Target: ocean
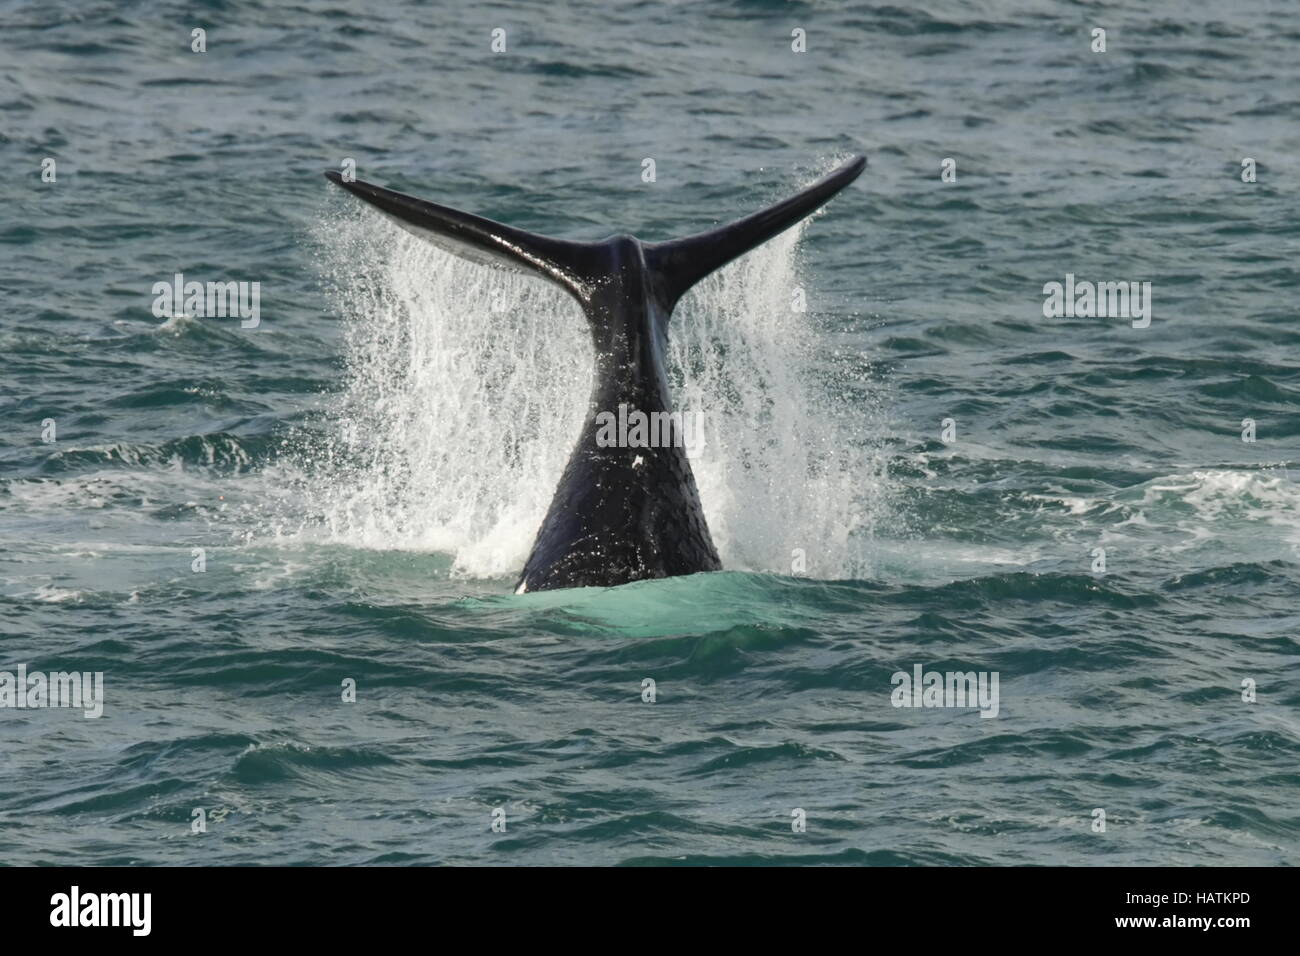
[(289, 541)]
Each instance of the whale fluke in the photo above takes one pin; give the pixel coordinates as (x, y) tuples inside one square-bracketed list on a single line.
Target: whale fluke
[(621, 513), (476, 238), (680, 263)]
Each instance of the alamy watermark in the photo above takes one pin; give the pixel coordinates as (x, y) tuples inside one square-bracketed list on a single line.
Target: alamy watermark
[(75, 908), (924, 688), (637, 429), (78, 689), (211, 300), (1098, 300)]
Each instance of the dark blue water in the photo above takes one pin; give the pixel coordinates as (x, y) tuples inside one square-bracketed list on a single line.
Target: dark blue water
[(364, 470)]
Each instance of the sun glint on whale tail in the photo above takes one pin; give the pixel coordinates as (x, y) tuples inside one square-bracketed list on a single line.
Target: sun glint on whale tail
[(481, 240)]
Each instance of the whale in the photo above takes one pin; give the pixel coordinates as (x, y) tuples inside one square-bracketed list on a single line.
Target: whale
[(624, 510)]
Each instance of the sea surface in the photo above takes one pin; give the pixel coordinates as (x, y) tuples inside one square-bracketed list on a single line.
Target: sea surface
[(908, 464)]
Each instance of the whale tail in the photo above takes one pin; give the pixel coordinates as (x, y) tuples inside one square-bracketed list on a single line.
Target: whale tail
[(579, 267), (622, 512)]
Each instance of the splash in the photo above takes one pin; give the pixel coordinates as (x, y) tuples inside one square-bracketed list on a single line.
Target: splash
[(793, 466), (466, 388)]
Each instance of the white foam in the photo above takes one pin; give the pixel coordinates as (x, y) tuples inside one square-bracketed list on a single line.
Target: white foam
[(50, 594)]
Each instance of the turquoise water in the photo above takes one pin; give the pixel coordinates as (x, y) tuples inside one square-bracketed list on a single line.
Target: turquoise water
[(365, 469)]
